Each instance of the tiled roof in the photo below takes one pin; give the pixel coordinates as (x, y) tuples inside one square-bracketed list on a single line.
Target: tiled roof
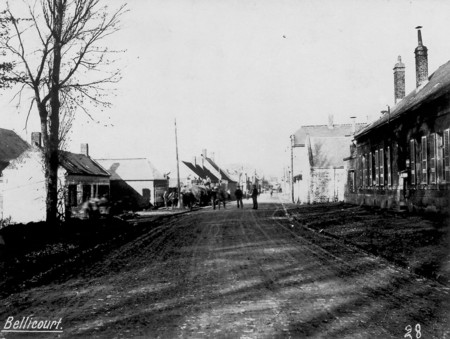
[(193, 168), (201, 172), (81, 164), (131, 169), (437, 85), (329, 152), (11, 146), (323, 131), (224, 175)]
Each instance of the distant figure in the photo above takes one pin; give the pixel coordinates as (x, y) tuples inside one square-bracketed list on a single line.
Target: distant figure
[(166, 198), (222, 197), (171, 198), (214, 193), (255, 197), (239, 194), (271, 192)]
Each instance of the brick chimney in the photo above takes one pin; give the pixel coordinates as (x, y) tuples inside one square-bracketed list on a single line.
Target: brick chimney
[(36, 139), (330, 121), (399, 80), (353, 124), (421, 53), (85, 149)]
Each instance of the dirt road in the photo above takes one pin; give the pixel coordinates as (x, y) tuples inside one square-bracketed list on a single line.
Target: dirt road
[(237, 274)]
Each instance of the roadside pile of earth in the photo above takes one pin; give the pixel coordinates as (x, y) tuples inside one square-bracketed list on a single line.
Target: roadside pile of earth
[(36, 252), (417, 242)]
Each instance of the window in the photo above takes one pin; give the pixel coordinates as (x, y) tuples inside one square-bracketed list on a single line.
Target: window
[(432, 158), (351, 180), (388, 165), (424, 160), (412, 155), (381, 163), (86, 192), (446, 155), (72, 195)]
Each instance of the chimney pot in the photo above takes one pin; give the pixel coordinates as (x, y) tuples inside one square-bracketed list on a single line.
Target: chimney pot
[(421, 53), (353, 124), (36, 139), (399, 80), (330, 121), (85, 149)]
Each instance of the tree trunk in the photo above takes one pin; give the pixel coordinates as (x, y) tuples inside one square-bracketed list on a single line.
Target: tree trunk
[(51, 149)]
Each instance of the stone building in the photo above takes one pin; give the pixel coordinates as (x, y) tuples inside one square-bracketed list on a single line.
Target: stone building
[(318, 165), (402, 159)]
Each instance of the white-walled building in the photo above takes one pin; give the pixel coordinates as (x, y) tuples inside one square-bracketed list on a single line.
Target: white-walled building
[(318, 165), (24, 186)]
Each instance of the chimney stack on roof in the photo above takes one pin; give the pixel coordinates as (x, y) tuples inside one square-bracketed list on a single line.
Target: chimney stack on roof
[(421, 53), (330, 121), (36, 139), (353, 124), (85, 149), (399, 80)]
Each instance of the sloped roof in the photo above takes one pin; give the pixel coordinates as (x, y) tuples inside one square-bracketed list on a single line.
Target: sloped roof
[(323, 131), (81, 164), (329, 152), (194, 169), (11, 146), (437, 85), (199, 171), (224, 174), (131, 169)]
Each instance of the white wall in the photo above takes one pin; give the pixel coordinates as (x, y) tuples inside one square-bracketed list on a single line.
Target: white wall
[(24, 189)]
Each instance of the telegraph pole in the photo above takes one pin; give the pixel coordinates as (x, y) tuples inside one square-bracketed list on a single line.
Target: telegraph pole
[(178, 166), (292, 169)]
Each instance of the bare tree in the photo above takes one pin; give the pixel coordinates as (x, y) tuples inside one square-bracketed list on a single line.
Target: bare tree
[(58, 57)]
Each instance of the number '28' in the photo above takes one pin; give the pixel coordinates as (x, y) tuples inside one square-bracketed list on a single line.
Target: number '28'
[(409, 329)]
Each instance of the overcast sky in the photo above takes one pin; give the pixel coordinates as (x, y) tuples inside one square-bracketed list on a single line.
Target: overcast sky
[(241, 76)]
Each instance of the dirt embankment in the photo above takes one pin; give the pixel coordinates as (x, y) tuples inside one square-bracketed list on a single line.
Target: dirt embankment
[(36, 253), (420, 243)]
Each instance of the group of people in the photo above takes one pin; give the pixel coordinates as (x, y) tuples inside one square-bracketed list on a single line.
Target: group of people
[(217, 194), (239, 194)]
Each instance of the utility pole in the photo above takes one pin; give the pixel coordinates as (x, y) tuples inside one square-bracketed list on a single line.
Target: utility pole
[(178, 166), (292, 169)]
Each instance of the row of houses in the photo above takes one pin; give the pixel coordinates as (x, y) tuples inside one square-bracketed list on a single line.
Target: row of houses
[(135, 182), (205, 170), (401, 160)]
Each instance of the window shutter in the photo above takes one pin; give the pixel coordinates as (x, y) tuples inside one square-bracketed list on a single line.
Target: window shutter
[(377, 169), (388, 164), (439, 164), (381, 153), (447, 155), (424, 160), (432, 158), (370, 169), (364, 164), (412, 155), (361, 167)]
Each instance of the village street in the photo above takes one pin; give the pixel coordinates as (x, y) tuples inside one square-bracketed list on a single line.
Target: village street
[(237, 274)]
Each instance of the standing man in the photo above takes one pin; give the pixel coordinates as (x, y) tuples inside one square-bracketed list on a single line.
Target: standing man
[(255, 197), (222, 197), (239, 194)]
